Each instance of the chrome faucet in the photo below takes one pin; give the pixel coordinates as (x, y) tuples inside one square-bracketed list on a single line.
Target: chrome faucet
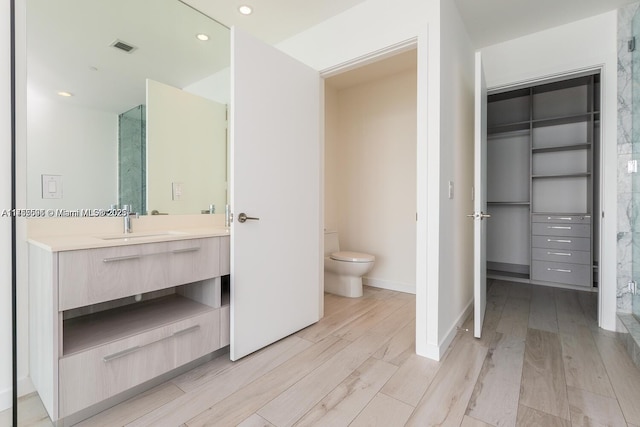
[(127, 218)]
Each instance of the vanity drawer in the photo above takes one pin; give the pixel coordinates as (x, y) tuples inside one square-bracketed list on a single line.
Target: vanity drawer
[(96, 374), (198, 337), (96, 275), (568, 243), (555, 255), (561, 219), (555, 229), (225, 255), (225, 326), (571, 274)]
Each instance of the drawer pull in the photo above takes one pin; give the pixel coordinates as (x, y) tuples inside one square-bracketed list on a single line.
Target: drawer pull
[(561, 218), (559, 240), (179, 251), (559, 270), (123, 353), (186, 331), (559, 227), (559, 253), (119, 354), (121, 258)]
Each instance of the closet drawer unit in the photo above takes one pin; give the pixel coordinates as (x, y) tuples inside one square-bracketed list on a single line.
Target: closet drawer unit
[(571, 274), (91, 376), (554, 229), (561, 219), (555, 255), (565, 243), (96, 275)]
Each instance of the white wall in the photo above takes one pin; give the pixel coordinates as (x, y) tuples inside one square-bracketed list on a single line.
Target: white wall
[(186, 144), (331, 160), (580, 45), (371, 176), (456, 165), (215, 87), (441, 273), (78, 143), (5, 203)]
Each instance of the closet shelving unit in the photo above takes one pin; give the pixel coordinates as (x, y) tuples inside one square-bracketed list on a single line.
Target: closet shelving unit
[(542, 155)]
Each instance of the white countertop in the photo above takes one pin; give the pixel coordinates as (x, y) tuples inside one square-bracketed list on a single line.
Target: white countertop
[(58, 243)]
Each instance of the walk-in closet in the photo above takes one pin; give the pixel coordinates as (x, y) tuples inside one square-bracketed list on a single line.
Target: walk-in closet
[(543, 182)]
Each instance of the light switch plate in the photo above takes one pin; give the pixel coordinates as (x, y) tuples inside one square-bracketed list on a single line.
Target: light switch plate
[(176, 191), (632, 166), (52, 186)]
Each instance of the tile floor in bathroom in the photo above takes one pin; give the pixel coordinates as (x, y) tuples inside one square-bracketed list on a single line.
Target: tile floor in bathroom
[(542, 361)]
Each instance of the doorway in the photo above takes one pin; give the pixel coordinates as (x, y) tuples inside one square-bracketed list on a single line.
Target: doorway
[(370, 165), (543, 185)]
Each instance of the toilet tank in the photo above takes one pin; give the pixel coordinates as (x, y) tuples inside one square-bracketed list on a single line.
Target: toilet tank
[(331, 242)]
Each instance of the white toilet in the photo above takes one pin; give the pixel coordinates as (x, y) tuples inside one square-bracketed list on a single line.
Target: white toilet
[(343, 271)]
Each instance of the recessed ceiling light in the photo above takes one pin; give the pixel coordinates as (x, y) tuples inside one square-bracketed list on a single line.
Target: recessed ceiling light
[(245, 10), (202, 37), (65, 94)]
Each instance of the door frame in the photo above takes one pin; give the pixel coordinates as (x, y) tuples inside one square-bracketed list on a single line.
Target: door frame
[(597, 186), (416, 43)]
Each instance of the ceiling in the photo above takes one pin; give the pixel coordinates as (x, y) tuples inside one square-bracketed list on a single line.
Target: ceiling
[(68, 40), (487, 21), (492, 21), (273, 20), (69, 49)]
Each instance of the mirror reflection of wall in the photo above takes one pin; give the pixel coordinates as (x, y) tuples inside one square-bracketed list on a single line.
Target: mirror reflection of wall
[(75, 139), (186, 151)]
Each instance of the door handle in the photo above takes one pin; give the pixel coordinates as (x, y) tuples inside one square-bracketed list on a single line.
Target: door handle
[(479, 215), (242, 217)]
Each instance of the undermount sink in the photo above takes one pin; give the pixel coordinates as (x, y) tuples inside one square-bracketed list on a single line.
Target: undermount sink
[(132, 236)]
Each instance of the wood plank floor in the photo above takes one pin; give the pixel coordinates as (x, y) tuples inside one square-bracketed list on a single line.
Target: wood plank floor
[(542, 361)]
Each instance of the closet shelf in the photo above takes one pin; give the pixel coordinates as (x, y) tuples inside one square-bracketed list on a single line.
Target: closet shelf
[(567, 175), (556, 213), (510, 203), (562, 120), (584, 146), (509, 127)]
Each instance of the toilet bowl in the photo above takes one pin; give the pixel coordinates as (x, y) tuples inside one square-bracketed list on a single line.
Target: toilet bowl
[(343, 270)]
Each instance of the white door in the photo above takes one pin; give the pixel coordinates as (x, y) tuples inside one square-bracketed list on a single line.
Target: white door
[(480, 199), (275, 157)]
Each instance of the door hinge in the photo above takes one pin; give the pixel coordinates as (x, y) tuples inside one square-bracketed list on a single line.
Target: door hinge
[(631, 44)]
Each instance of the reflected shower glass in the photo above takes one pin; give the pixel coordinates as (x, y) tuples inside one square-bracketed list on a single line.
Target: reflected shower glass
[(635, 195)]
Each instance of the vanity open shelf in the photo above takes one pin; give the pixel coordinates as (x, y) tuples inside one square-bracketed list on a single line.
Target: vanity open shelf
[(127, 313), (85, 332)]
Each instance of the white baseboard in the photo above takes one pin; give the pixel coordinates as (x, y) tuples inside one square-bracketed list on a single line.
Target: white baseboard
[(435, 352), (388, 284), (451, 334), (6, 399), (25, 386)]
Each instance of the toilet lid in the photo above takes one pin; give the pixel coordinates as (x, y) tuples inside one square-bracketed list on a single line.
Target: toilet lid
[(352, 257)]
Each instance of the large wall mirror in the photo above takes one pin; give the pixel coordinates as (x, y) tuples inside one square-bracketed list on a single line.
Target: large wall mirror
[(126, 104)]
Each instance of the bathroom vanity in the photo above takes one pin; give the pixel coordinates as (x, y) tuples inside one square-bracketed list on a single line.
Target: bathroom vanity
[(112, 312)]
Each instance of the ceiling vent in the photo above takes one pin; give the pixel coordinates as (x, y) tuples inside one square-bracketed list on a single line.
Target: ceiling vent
[(123, 46)]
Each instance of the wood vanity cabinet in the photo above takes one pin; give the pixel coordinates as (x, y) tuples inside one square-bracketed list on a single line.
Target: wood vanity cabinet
[(90, 339)]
